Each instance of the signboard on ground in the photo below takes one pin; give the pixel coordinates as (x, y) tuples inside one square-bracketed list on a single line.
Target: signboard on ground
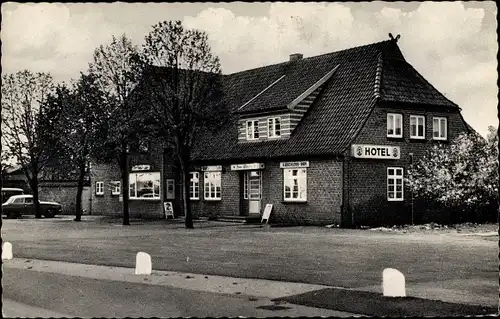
[(240, 167), (375, 151), (168, 209), (267, 213)]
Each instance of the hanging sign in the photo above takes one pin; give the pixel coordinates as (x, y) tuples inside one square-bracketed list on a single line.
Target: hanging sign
[(375, 151), (168, 209), (143, 167), (212, 168), (240, 167), (294, 164), (267, 213)]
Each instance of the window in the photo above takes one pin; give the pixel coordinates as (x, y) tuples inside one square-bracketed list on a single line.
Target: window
[(144, 185), (274, 127), (394, 125), (295, 184), (417, 126), (194, 185), (212, 183), (99, 188), (253, 130), (28, 200), (245, 185), (115, 188), (439, 128), (394, 184), (170, 188)]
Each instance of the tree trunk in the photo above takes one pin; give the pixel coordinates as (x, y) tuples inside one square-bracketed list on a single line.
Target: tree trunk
[(79, 192), (125, 185), (36, 202), (185, 193)]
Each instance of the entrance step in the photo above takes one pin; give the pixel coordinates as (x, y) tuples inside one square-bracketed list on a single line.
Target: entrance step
[(240, 219)]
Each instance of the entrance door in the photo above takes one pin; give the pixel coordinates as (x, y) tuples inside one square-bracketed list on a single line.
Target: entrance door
[(254, 179)]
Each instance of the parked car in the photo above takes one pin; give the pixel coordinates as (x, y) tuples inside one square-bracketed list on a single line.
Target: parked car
[(19, 205), (8, 192)]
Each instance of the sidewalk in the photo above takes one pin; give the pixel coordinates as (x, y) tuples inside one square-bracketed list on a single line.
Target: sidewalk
[(251, 293)]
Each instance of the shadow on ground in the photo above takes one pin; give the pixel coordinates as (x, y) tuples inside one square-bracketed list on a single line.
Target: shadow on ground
[(375, 304)]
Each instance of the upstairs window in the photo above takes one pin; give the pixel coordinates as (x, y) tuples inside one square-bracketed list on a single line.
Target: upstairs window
[(99, 188), (274, 127), (439, 128), (253, 130), (394, 125), (194, 185), (417, 127)]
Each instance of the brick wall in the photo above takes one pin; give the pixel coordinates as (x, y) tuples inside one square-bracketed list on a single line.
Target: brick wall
[(324, 194), (65, 194), (368, 177), (110, 205)]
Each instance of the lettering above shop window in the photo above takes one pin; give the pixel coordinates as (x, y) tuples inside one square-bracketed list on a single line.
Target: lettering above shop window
[(240, 167), (212, 168), (376, 151), (294, 164), (136, 168)]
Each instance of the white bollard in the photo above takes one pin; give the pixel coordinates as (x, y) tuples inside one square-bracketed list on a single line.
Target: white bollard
[(393, 283), (7, 251), (143, 264)]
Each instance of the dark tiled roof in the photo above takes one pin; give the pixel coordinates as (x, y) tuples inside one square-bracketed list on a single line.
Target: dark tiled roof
[(364, 74), (402, 83)]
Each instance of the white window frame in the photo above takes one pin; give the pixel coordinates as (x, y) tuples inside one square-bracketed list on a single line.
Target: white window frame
[(115, 188), (289, 180), (212, 181), (252, 130), (439, 119), (99, 188), (194, 185), (272, 132), (417, 119), (245, 185), (134, 197), (391, 120), (397, 175)]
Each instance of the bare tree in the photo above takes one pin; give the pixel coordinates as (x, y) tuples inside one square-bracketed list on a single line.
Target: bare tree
[(117, 73), (27, 137), (81, 108), (185, 95)]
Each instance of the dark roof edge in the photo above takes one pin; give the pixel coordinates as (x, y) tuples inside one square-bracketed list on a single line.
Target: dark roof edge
[(311, 57), (372, 107)]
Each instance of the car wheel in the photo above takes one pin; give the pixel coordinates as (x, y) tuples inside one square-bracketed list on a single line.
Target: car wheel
[(49, 214)]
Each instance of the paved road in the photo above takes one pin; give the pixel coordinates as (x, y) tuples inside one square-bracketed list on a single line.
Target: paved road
[(29, 293), (449, 268)]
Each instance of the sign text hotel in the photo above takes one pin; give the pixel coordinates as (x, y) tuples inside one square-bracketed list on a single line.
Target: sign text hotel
[(375, 151)]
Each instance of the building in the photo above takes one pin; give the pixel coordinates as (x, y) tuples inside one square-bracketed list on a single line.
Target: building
[(326, 139)]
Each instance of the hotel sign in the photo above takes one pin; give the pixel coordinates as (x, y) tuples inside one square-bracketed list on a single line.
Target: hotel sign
[(240, 167), (294, 164), (376, 151), (212, 168), (136, 168)]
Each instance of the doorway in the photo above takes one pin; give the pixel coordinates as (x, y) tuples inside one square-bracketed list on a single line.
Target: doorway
[(253, 181)]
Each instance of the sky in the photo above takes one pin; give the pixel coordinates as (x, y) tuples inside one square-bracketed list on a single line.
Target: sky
[(452, 44)]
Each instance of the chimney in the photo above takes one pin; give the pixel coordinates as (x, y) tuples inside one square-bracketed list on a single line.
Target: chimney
[(296, 57)]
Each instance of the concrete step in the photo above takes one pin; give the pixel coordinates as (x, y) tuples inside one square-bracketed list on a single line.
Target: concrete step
[(240, 219)]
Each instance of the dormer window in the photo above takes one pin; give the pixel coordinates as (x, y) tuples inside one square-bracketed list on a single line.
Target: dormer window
[(253, 130), (274, 127)]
